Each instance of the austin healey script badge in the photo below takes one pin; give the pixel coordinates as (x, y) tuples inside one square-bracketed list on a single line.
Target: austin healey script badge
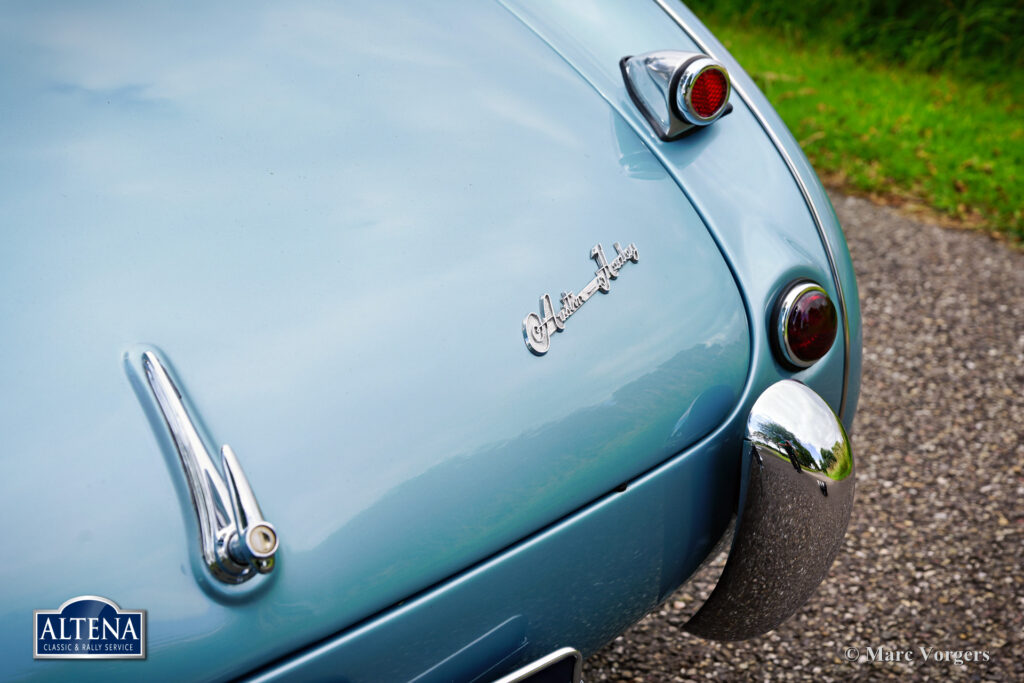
[(537, 329)]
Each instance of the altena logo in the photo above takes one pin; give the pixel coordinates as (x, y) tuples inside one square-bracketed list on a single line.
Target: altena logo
[(89, 627)]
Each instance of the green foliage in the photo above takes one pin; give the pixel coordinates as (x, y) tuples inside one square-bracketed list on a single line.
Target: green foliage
[(951, 143), (965, 36)]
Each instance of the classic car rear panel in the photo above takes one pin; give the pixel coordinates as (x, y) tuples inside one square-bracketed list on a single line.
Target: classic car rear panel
[(332, 221), (577, 583)]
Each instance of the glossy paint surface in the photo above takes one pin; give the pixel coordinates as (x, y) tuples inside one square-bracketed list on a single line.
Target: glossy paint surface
[(582, 581), (732, 173), (818, 198), (331, 220), (746, 195)]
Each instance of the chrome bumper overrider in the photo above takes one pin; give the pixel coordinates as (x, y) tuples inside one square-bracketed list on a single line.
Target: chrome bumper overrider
[(795, 503)]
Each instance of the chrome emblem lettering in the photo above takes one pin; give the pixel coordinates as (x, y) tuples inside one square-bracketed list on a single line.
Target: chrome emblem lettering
[(537, 329)]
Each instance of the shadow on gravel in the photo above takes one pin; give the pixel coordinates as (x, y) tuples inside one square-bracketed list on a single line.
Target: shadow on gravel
[(934, 557)]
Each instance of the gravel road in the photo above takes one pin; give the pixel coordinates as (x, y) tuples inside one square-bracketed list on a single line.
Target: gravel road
[(934, 557)]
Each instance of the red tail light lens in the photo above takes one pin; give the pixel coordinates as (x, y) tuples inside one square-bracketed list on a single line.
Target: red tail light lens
[(701, 91), (709, 92), (807, 324)]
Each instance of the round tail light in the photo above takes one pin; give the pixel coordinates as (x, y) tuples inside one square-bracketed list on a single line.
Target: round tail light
[(806, 324), (708, 93), (702, 91)]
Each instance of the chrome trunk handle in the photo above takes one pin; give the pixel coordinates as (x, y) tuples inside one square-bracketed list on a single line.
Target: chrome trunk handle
[(236, 541)]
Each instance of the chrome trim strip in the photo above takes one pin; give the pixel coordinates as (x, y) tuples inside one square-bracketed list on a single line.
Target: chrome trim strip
[(671, 12), (544, 662)]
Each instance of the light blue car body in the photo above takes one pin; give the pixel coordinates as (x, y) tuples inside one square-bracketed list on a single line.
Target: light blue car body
[(332, 218)]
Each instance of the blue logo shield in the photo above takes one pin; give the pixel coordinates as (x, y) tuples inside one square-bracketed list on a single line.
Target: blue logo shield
[(89, 627)]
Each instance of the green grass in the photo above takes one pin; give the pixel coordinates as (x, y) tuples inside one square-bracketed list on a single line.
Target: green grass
[(969, 37), (950, 143)]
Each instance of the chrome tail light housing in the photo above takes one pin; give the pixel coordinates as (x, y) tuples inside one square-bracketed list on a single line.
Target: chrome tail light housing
[(677, 92)]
